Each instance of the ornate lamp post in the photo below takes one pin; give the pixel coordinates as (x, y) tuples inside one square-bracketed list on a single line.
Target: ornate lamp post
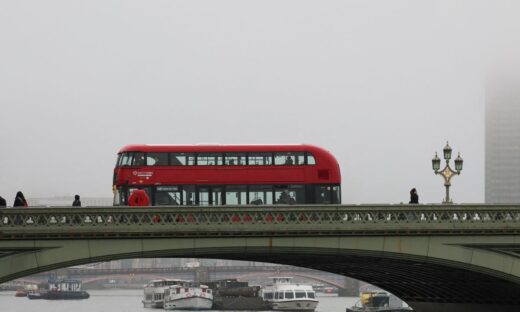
[(447, 172)]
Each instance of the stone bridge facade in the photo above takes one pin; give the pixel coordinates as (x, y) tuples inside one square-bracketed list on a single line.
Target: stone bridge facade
[(435, 257)]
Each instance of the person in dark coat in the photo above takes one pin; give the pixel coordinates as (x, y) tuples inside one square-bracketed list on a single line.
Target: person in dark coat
[(19, 200), (3, 203), (414, 197), (76, 202)]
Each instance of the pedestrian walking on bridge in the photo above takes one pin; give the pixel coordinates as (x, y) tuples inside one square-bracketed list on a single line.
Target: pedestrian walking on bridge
[(19, 200), (138, 198), (414, 197), (76, 202)]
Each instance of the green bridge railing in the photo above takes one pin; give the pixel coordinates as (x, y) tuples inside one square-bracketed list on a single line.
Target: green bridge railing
[(257, 221)]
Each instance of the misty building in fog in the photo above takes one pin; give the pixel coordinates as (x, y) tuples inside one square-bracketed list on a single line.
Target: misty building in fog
[(503, 140)]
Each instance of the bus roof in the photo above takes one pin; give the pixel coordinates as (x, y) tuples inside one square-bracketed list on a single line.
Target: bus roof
[(223, 148)]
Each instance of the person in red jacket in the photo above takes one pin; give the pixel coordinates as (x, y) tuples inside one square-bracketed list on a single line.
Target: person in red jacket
[(139, 198)]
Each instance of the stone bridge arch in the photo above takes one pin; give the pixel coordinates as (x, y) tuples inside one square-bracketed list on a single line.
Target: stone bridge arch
[(423, 271)]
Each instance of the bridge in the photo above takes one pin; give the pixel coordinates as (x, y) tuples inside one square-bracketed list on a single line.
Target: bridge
[(435, 257)]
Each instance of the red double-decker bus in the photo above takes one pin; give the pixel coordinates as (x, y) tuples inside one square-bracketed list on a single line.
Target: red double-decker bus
[(228, 174)]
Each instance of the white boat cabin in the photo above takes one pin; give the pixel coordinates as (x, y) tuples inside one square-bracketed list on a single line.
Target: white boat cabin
[(283, 289)]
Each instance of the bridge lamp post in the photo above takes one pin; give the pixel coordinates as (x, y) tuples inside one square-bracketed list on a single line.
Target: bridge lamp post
[(447, 173)]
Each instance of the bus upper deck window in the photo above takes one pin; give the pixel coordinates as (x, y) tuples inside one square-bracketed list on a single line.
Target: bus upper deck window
[(157, 159), (139, 159), (182, 159), (288, 158), (177, 159), (126, 159), (299, 158), (118, 160), (257, 159), (235, 159), (209, 159), (310, 159)]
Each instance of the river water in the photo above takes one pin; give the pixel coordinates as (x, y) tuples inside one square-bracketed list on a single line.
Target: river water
[(115, 300)]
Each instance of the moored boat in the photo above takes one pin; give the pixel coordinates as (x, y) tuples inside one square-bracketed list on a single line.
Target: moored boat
[(154, 292), (283, 295), (378, 301), (233, 295), (65, 289), (184, 296), (27, 289), (37, 295)]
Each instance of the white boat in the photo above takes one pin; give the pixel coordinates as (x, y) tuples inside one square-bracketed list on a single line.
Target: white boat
[(184, 296), (283, 295), (154, 292)]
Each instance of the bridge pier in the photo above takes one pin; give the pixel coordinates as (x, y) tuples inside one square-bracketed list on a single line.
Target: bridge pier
[(461, 307)]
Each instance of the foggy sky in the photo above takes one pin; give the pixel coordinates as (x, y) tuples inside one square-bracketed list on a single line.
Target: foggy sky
[(381, 84)]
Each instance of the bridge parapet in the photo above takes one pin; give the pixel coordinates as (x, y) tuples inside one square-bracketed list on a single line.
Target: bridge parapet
[(176, 221)]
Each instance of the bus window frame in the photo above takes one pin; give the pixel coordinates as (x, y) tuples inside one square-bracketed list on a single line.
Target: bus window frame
[(217, 161), (128, 159), (172, 155), (238, 155), (258, 154), (307, 154), (141, 156), (118, 160), (146, 156)]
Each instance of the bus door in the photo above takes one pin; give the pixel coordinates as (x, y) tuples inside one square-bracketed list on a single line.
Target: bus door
[(216, 195), (189, 197), (209, 195), (236, 195), (203, 195)]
